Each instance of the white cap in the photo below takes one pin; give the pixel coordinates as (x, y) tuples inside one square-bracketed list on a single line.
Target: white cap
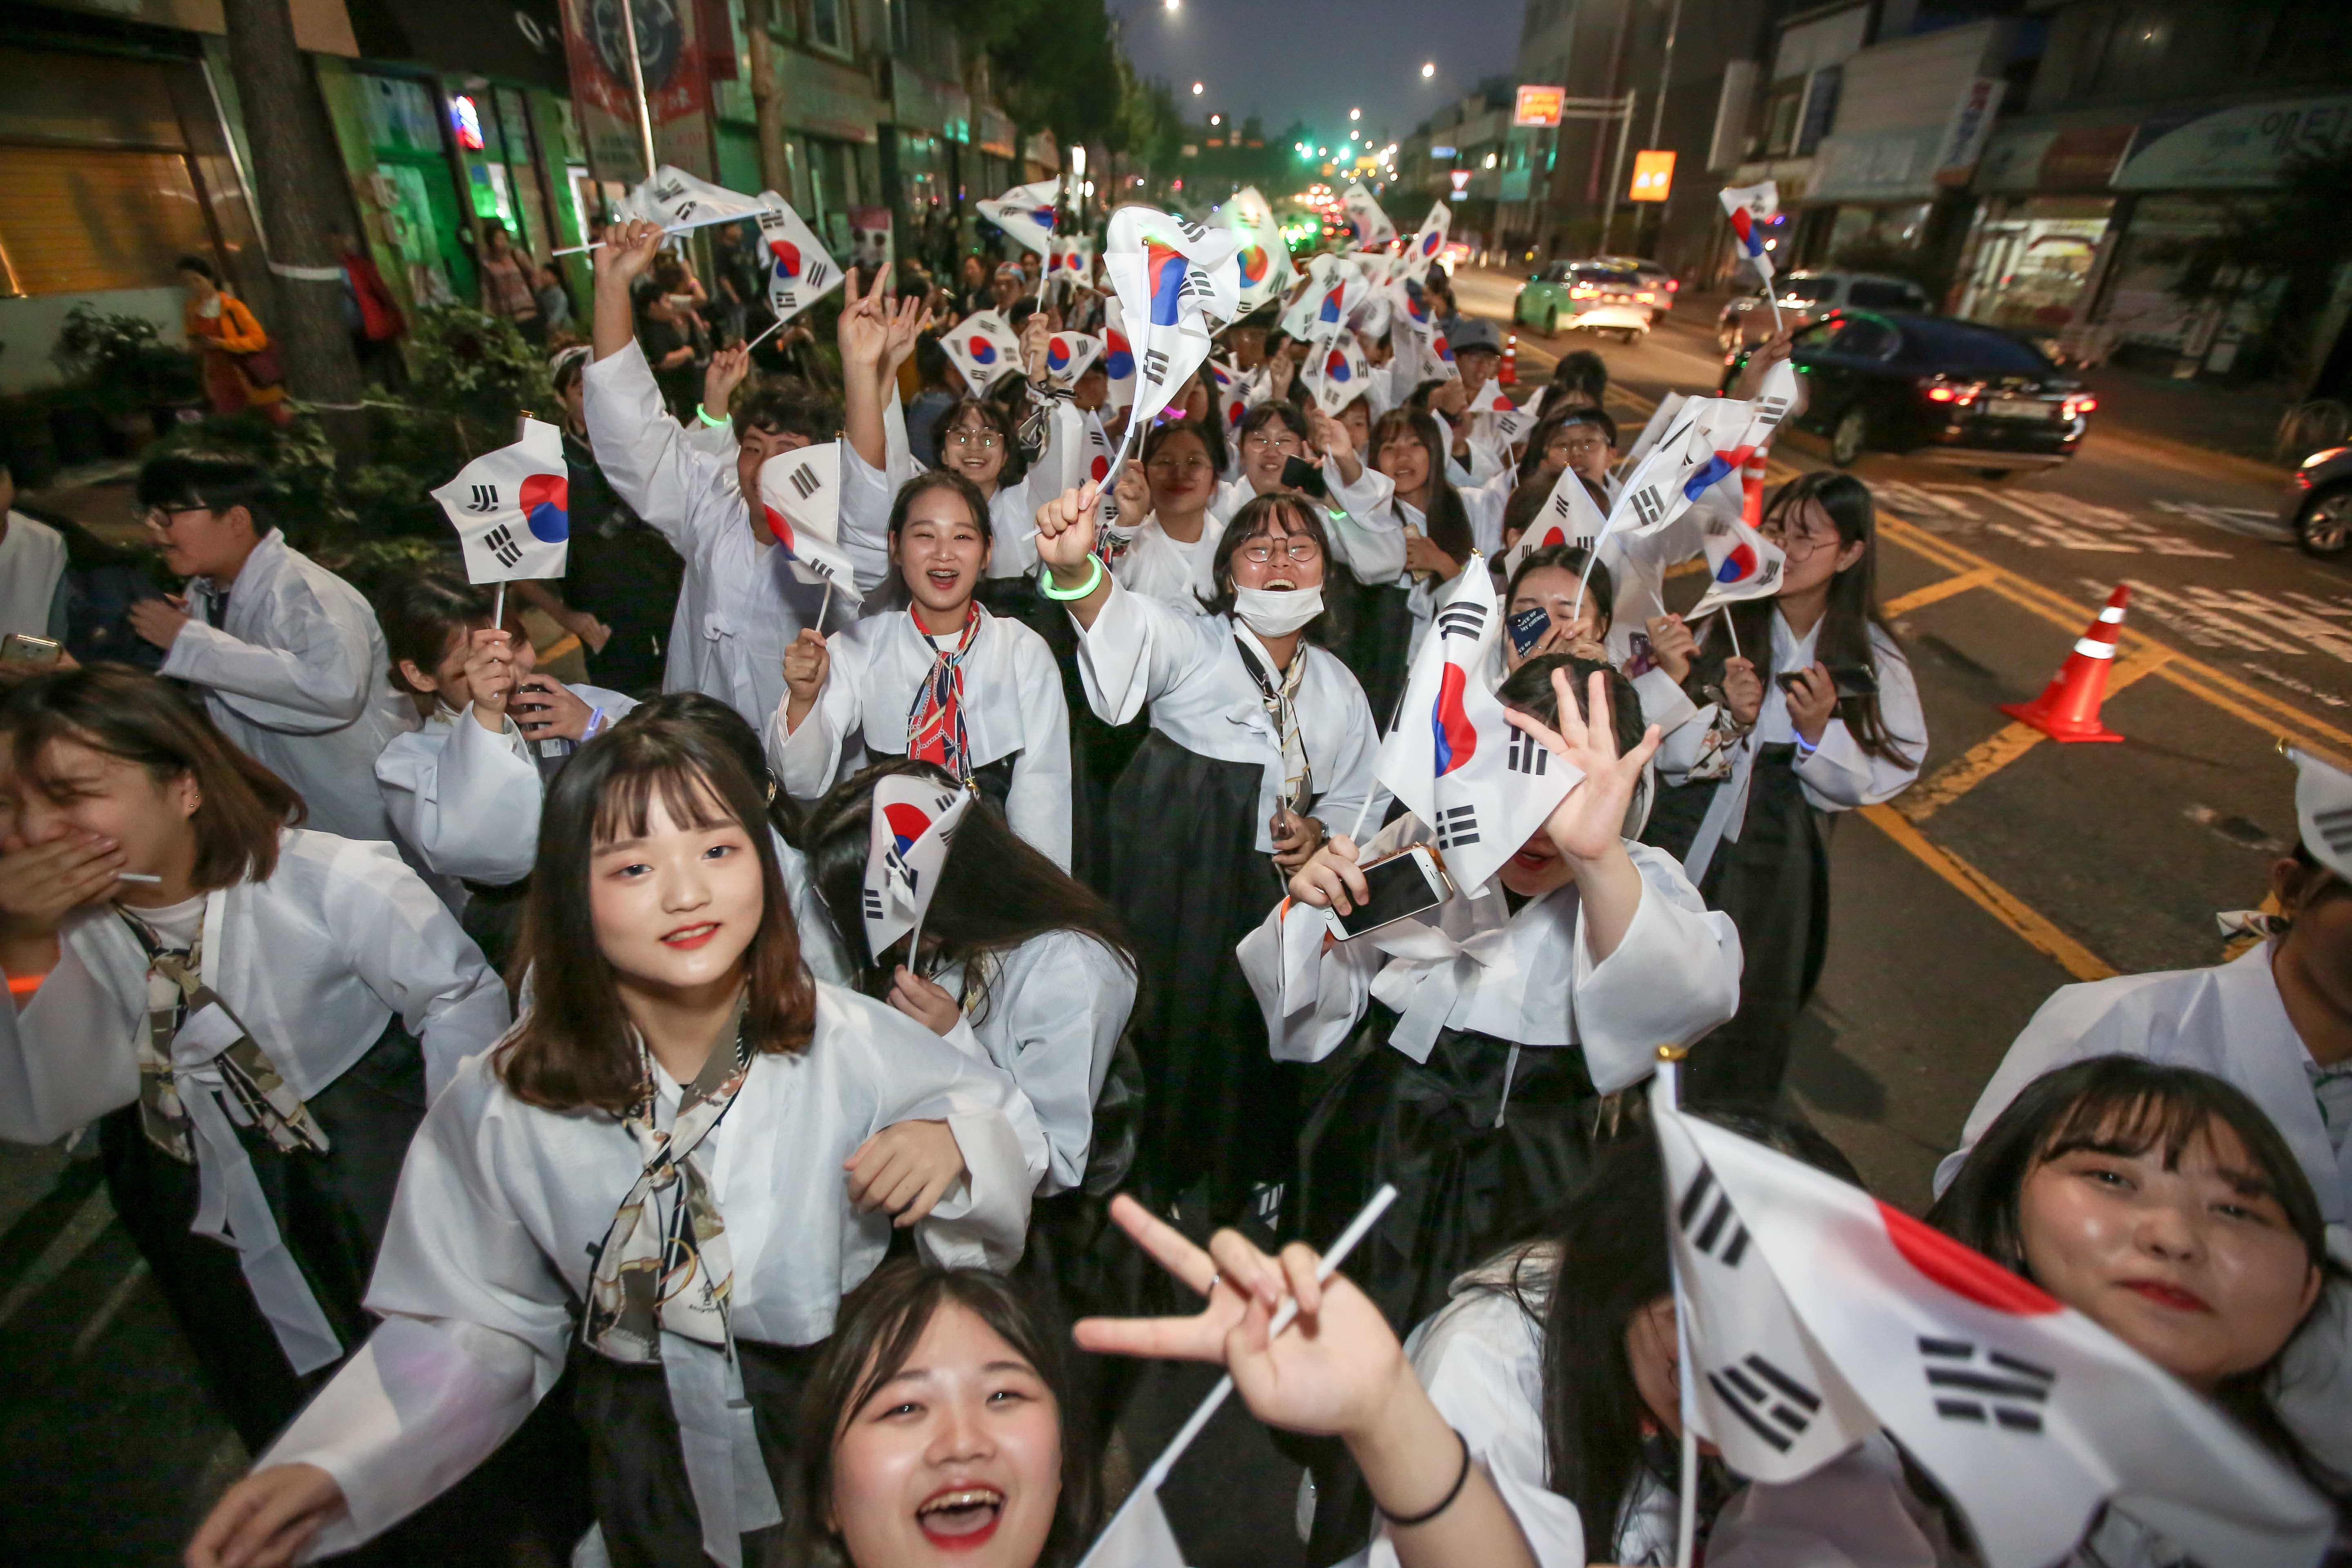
[(2323, 809)]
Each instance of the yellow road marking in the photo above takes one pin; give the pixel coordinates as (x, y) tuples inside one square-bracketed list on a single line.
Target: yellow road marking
[(1988, 756), (2020, 918), (1934, 593)]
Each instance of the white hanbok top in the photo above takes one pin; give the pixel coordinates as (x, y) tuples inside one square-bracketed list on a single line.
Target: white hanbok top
[(1012, 707), (1483, 510), (1529, 978), (1839, 775), (465, 801), (1055, 1009), (1364, 533), (314, 962), (866, 493), (1188, 669), (741, 605), (298, 677), (32, 564), (1480, 1358), (1177, 574), (500, 1202)]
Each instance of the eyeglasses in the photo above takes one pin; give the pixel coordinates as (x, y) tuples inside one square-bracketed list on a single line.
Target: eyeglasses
[(983, 439), (1178, 466), (1259, 441), (1584, 448), (1799, 545), (1297, 551), (161, 517)]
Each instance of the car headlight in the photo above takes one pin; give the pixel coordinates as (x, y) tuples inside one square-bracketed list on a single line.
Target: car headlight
[(2318, 457)]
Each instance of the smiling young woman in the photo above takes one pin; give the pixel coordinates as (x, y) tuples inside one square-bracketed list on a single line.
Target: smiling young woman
[(544, 1197)]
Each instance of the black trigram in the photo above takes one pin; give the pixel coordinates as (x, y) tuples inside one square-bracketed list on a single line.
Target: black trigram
[(1771, 409), (815, 275), (785, 299), (685, 210), (1649, 504), (1561, 504), (1462, 621), (1457, 827), (668, 191), (873, 904), (1767, 1400), (1155, 365), (485, 499), (1768, 573), (895, 868), (806, 482), (1526, 754), (1986, 1386), (2335, 828), (1195, 285), (501, 541), (1191, 231), (1709, 1222)]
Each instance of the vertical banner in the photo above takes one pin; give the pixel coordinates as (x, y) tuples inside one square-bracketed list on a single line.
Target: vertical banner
[(678, 87)]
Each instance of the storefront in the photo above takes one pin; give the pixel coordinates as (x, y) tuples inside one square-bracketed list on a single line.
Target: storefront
[(830, 117), (2045, 231), (924, 152)]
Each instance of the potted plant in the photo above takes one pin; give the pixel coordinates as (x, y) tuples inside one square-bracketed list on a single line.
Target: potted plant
[(119, 360)]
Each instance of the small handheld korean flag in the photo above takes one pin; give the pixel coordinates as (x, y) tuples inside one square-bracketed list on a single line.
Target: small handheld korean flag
[(512, 508), (1429, 243), (1570, 516), (982, 349), (2028, 1415), (1335, 288), (1513, 426), (1482, 785), (800, 498), (1172, 277), (1772, 1402), (1750, 208), (1025, 214), (1118, 354), (1074, 260), (2323, 809), (1262, 264), (678, 201), (1336, 374), (914, 820), (1741, 564), (1372, 226), (1067, 355), (800, 270)]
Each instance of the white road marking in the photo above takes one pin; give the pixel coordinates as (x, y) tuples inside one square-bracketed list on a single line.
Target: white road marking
[(116, 1300), (2251, 522), (2236, 621)]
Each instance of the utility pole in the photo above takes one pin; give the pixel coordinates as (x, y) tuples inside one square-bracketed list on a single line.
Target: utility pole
[(1658, 112), (637, 86), (1623, 114), (300, 185), (765, 109)]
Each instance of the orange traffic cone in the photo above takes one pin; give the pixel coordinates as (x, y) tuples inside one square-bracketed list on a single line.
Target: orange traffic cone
[(1509, 375), (2068, 708), (1751, 489)]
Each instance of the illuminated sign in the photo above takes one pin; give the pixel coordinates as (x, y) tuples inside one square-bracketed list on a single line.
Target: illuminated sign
[(1540, 106), (1654, 176), (1461, 178), (467, 122)]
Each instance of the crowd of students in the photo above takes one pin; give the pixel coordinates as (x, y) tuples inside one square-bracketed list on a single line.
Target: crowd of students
[(539, 1159)]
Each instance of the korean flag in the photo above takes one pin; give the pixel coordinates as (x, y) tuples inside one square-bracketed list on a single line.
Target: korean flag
[(799, 500), (511, 508), (1429, 243), (982, 349), (1481, 783), (1068, 355), (1025, 214), (1372, 226), (1175, 285), (1741, 564), (1335, 290), (800, 272), (1336, 374), (1751, 209), (678, 201), (1118, 355), (1262, 265), (914, 820)]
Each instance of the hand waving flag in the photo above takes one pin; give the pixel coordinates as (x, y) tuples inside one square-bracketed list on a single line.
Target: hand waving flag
[(678, 201), (511, 508), (1480, 782), (800, 272), (1336, 373), (1750, 208), (799, 500), (1025, 214), (1173, 278), (914, 822)]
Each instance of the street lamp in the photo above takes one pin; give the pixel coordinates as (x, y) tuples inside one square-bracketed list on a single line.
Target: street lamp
[(1429, 70), (1198, 90), (1174, 6), (1355, 114)]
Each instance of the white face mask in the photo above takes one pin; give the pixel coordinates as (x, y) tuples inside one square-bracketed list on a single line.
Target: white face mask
[(1277, 613), (211, 309)]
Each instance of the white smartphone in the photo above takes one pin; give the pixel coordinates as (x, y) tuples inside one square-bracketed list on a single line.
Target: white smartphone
[(1401, 886), (23, 647)]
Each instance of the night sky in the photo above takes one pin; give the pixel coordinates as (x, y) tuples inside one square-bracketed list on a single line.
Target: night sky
[(1315, 59)]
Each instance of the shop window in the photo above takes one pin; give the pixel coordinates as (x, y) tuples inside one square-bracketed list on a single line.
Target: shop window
[(829, 24), (76, 218), (1781, 116)]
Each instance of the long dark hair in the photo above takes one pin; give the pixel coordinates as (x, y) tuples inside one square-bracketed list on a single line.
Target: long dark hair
[(1599, 588), (128, 714), (573, 1051), (1854, 613), (1248, 522), (727, 728), (1159, 435), (2141, 1106), (1613, 1263), (995, 892), (879, 1324), (1444, 518), (998, 418), (422, 614), (1267, 413)]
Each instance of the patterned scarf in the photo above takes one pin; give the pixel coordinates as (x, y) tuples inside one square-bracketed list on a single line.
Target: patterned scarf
[(650, 1273), (259, 1091), (935, 722), (1282, 707)]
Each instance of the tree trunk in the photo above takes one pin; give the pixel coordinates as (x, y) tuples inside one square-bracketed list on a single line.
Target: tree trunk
[(766, 107), (299, 183)]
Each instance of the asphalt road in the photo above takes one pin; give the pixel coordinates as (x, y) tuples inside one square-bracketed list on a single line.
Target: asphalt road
[(2016, 865)]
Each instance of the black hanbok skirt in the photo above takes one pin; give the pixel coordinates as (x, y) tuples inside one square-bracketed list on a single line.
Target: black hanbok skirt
[(1370, 630), (1218, 1112)]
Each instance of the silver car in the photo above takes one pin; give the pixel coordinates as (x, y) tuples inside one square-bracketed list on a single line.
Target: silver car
[(1806, 297)]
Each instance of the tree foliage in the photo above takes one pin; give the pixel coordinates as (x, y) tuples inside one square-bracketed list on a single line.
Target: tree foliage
[(1054, 62)]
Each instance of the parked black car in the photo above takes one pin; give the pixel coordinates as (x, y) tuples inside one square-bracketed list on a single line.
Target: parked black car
[(1934, 390), (2319, 502)]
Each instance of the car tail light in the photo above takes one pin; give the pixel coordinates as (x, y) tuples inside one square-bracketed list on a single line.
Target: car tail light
[(1672, 284), (2077, 405), (1945, 392), (1646, 297), (1582, 291)]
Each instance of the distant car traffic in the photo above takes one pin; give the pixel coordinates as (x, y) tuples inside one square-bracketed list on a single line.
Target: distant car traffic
[(1659, 286), (1592, 296), (1806, 297), (2319, 502), (1934, 390)]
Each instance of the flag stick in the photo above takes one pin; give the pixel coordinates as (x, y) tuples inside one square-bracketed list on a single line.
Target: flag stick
[(823, 609), (755, 343), (1774, 301), (1658, 599), (498, 609), (1126, 438), (1725, 614), (1357, 1229)]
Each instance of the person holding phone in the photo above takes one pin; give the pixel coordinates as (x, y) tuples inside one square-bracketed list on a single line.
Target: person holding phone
[(462, 792), (1472, 1040), (1838, 726), (1258, 739)]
